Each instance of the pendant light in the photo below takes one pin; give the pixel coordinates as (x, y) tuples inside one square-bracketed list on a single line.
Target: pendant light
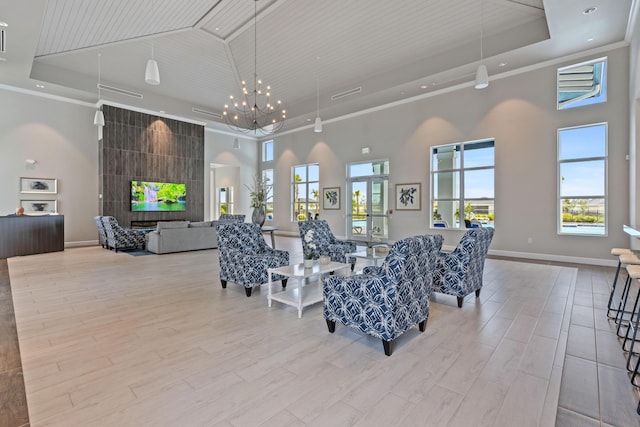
[(482, 76), (152, 74), (317, 127), (98, 118)]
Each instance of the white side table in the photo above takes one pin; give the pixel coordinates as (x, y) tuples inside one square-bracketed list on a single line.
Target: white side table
[(303, 294)]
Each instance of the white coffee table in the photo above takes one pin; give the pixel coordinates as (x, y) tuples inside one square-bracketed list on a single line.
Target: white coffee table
[(370, 255), (303, 294)]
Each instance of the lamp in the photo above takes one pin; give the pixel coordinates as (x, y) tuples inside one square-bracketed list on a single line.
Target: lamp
[(482, 77), (98, 118), (254, 112), (236, 144), (317, 127), (152, 74)]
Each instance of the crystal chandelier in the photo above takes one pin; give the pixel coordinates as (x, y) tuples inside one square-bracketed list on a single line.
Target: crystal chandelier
[(254, 111)]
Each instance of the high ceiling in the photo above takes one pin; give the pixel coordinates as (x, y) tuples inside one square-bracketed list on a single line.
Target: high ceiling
[(204, 48)]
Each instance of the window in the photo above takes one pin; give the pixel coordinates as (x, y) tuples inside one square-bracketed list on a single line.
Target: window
[(267, 174), (462, 176), (305, 184), (267, 151), (582, 180), (225, 200), (582, 84)]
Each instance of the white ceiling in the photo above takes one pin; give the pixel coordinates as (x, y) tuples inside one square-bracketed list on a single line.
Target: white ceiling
[(204, 48)]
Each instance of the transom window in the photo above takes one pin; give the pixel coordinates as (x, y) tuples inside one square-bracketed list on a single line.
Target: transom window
[(462, 185), (267, 151), (305, 192), (582, 180)]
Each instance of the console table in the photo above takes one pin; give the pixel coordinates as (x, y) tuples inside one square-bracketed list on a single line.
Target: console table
[(31, 234)]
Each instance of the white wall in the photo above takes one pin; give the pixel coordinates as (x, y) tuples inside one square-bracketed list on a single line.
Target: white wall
[(218, 150), (61, 137), (520, 113)]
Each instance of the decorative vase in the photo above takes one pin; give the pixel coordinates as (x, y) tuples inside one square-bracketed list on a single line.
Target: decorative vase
[(308, 263), (258, 216)]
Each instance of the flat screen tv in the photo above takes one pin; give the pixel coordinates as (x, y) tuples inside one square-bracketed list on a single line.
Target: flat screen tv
[(158, 196)]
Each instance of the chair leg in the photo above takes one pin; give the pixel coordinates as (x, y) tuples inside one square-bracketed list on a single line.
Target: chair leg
[(477, 293), (613, 290), (223, 283), (422, 325), (248, 291), (331, 325), (284, 283), (387, 347), (460, 299)]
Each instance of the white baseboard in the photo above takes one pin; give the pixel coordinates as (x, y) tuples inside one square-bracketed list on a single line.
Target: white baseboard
[(555, 258), (81, 244)]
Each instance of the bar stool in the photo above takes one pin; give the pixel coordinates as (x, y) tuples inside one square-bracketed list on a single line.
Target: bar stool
[(630, 336), (621, 311), (616, 252)]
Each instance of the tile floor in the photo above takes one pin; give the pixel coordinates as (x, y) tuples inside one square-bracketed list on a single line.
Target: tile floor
[(112, 339)]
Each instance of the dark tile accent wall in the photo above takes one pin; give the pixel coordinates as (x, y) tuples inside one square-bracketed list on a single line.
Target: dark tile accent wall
[(142, 147)]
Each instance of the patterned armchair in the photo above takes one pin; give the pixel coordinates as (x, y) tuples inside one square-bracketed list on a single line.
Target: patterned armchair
[(386, 301), (460, 272), (122, 238), (245, 256), (237, 217), (326, 243), (101, 233)]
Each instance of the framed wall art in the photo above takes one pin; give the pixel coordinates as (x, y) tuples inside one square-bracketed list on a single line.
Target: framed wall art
[(408, 197), (39, 207), (38, 186), (331, 198)]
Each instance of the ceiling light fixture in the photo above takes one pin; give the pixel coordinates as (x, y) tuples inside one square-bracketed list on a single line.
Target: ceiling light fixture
[(482, 76), (152, 73), (255, 112), (98, 118)]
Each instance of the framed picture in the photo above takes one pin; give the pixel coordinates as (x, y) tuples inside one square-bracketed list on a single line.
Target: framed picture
[(408, 197), (38, 186), (331, 198), (39, 207)]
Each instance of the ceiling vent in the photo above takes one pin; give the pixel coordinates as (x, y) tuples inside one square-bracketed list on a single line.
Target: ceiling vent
[(207, 113), (120, 91), (3, 41), (346, 93)]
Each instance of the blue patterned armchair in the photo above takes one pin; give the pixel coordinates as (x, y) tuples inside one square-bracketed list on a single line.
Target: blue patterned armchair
[(386, 301), (237, 217), (101, 233), (326, 243), (122, 238), (245, 256), (459, 273)]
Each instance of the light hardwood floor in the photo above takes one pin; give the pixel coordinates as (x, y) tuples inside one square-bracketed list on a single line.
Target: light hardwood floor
[(110, 339)]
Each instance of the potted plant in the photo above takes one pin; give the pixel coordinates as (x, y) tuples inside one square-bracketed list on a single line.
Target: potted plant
[(310, 247), (260, 194)]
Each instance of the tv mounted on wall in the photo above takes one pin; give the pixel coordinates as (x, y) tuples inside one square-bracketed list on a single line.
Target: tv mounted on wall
[(158, 196)]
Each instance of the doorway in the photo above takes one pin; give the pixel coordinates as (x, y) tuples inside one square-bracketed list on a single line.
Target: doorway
[(368, 187)]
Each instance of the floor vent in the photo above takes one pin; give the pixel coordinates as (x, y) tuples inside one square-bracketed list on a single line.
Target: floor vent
[(120, 91), (346, 93)]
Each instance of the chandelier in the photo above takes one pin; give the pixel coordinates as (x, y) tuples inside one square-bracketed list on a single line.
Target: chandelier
[(254, 111)]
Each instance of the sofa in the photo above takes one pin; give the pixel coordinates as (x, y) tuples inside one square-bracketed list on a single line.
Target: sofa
[(181, 236)]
